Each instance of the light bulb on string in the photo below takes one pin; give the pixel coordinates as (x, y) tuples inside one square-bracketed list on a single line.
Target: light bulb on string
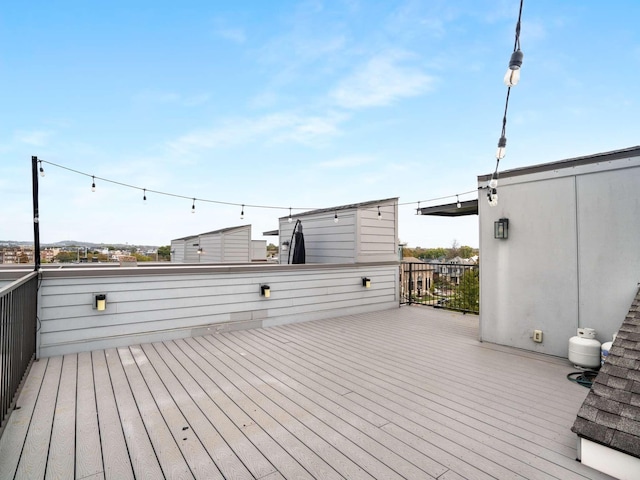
[(379, 214), (290, 219), (93, 183), (418, 211), (493, 183), (512, 77), (41, 169), (144, 195), (193, 206), (502, 147), (458, 204), (335, 218), (242, 213), (492, 196)]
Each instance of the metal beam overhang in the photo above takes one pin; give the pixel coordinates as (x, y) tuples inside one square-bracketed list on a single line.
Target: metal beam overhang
[(468, 207)]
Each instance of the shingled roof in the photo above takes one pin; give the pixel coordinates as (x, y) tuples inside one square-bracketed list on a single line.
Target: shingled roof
[(610, 415)]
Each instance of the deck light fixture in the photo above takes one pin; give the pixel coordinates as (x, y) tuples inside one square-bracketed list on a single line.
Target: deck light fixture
[(366, 282), (93, 183), (265, 291), (501, 229), (100, 302), (285, 246)]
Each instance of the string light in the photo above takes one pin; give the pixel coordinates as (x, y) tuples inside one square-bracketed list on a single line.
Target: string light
[(458, 204), (242, 213), (41, 169), (379, 214), (193, 206), (273, 207), (418, 211), (335, 218), (144, 195), (290, 219), (93, 183), (511, 79)]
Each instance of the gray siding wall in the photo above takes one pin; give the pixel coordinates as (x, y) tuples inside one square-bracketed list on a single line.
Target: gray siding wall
[(571, 260), (236, 245), (146, 305), (177, 251), (378, 238)]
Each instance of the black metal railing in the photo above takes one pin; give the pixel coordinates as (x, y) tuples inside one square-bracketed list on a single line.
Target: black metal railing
[(18, 317), (455, 286)]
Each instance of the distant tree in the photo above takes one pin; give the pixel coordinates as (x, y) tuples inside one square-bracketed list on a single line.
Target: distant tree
[(432, 253), (467, 296), (466, 251), (164, 253), (272, 249), (454, 251), (141, 258), (66, 257)]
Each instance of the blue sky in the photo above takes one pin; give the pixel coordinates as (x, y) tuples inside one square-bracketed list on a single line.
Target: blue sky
[(305, 104)]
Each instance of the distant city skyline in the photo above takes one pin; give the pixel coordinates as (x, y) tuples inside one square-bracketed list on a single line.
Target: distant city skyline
[(296, 104)]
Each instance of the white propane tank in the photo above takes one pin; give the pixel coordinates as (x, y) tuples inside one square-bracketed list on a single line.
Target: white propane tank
[(584, 349), (604, 350)]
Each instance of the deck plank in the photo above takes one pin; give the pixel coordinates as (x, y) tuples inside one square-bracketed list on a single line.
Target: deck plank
[(407, 393), (291, 458), (143, 458), (15, 432), (358, 421), (332, 420), (61, 461), (88, 455), (232, 424), (168, 454), (115, 454), (195, 454), (33, 461), (218, 449)]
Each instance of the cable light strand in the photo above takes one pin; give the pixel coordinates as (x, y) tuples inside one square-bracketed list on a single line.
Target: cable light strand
[(511, 79), (145, 190)]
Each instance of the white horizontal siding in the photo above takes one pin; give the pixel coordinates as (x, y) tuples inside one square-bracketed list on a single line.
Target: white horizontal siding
[(149, 307)]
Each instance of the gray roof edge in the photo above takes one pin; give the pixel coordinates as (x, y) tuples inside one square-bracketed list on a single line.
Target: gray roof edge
[(567, 163), (222, 230), (344, 207)]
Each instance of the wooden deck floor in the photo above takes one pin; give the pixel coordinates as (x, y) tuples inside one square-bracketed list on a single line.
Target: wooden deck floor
[(407, 393)]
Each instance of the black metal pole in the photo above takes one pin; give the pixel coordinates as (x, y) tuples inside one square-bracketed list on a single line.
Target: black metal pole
[(36, 214)]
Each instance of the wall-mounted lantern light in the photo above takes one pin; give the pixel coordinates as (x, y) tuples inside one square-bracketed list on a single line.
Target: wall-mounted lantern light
[(265, 291), (366, 282), (100, 301), (501, 229), (284, 246)]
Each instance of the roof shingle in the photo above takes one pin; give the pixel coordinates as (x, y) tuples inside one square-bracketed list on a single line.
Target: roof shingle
[(610, 415)]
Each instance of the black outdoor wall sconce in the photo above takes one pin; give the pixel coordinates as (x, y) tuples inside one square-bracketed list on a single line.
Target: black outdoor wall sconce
[(366, 282), (265, 291), (100, 301), (501, 229)]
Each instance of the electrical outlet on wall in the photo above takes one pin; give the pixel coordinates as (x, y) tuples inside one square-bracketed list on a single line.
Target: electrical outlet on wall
[(537, 336)]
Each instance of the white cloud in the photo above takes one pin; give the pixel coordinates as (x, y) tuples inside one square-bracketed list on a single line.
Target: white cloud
[(274, 128), (381, 81), (347, 162), (235, 35), (39, 138), (152, 96)]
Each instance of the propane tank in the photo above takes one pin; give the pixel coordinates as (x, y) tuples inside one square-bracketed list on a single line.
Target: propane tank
[(604, 350), (584, 349)]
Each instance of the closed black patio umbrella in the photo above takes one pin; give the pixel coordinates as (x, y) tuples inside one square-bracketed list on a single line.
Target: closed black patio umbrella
[(297, 240)]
